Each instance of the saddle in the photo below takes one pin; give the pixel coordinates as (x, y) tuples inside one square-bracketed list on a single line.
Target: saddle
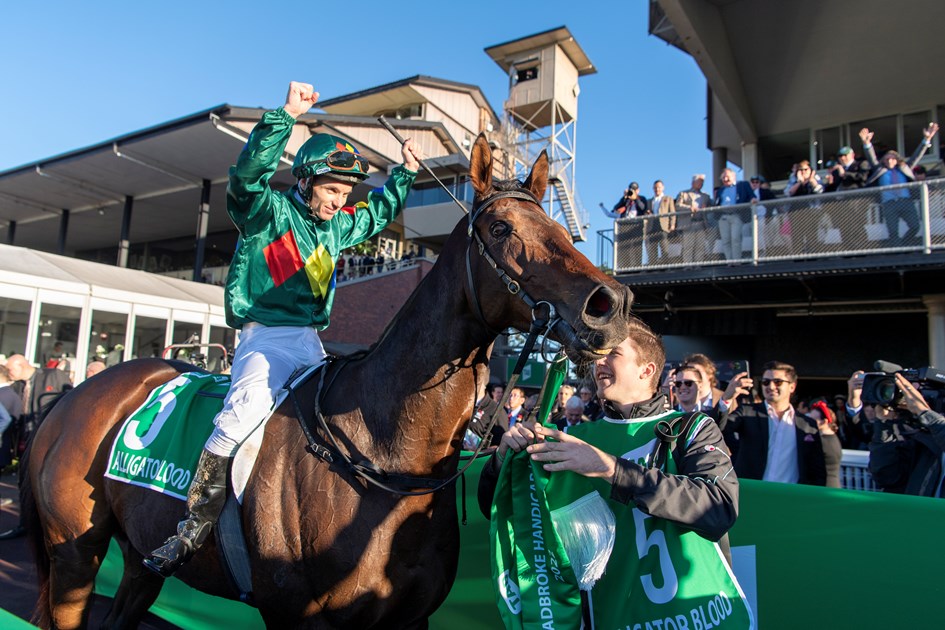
[(159, 445)]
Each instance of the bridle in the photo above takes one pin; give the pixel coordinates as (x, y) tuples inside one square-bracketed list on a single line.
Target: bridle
[(514, 287), (544, 319)]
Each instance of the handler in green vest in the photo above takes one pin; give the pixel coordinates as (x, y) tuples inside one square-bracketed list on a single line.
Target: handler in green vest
[(281, 284), (666, 568)]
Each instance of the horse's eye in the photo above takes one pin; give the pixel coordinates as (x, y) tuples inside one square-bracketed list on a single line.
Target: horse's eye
[(499, 229)]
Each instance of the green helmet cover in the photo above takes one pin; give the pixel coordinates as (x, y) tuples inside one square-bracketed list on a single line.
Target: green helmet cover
[(311, 159)]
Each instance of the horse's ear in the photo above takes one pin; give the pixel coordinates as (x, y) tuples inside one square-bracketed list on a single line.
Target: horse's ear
[(537, 180), (480, 167)]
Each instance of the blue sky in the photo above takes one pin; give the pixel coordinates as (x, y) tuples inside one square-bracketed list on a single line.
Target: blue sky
[(76, 74)]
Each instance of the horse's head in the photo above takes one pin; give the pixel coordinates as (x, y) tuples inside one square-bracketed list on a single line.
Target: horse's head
[(520, 262)]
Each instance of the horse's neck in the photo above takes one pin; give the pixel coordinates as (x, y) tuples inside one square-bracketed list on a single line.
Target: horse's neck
[(421, 380)]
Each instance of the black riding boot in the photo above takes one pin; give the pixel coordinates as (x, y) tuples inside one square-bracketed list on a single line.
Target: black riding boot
[(205, 501)]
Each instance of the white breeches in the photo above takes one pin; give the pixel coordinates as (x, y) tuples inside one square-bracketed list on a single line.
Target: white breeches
[(265, 358)]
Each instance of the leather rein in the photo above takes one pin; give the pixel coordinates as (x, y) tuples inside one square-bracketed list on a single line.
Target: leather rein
[(544, 318)]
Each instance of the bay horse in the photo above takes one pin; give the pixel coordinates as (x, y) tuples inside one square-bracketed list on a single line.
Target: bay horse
[(328, 550)]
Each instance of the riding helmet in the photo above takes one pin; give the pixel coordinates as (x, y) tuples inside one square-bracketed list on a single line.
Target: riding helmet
[(324, 154)]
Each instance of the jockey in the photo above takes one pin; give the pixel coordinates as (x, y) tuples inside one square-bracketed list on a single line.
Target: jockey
[(281, 284)]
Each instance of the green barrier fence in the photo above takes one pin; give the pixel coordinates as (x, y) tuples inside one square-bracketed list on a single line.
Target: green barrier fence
[(815, 557)]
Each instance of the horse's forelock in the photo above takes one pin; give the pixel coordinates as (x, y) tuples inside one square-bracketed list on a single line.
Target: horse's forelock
[(508, 185)]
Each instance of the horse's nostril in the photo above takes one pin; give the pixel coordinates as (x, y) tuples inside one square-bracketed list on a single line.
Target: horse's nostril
[(600, 304)]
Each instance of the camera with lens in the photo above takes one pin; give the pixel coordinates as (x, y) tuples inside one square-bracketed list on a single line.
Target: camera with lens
[(879, 388)]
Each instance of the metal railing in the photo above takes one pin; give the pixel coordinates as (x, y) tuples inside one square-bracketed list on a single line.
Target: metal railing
[(375, 269), (901, 218), (855, 471), (605, 249)]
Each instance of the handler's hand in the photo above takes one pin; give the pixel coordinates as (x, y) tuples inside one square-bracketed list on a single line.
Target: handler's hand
[(300, 99), (570, 453), (410, 150), (518, 437), (911, 396)]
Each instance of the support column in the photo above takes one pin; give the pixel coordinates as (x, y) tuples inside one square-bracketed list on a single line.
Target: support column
[(11, 232), (936, 306), (203, 219), (63, 231), (749, 160), (719, 162), (124, 241)]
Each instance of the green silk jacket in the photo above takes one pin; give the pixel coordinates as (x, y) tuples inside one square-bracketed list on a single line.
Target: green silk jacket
[(283, 271)]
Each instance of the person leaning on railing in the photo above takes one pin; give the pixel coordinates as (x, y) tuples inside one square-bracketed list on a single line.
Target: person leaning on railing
[(896, 204), (690, 220), (848, 173), (729, 193), (631, 204), (804, 218)]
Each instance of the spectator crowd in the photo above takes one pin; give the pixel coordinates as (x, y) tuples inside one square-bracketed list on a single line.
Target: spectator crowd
[(352, 265), (769, 432), (694, 226)]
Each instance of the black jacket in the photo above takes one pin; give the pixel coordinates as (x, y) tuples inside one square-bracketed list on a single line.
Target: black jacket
[(904, 167), (854, 176), (751, 444), (907, 458), (702, 497)]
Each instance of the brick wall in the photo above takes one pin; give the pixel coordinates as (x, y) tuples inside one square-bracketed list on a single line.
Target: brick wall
[(363, 308)]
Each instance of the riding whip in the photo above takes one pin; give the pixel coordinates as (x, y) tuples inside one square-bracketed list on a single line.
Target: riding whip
[(401, 140)]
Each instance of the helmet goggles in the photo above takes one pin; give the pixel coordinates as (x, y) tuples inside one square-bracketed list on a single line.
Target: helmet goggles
[(346, 161)]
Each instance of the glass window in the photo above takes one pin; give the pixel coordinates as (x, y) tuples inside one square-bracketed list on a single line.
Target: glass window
[(107, 337), (148, 337), (939, 139), (224, 336), (885, 133), (912, 126), (778, 153), (186, 332), (14, 325), (826, 144), (526, 74), (58, 333)]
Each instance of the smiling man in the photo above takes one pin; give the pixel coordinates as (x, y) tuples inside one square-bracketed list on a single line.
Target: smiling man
[(681, 502), (281, 284), (686, 383), (772, 441)]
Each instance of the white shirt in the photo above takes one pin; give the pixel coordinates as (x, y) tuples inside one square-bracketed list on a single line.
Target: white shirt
[(782, 447)]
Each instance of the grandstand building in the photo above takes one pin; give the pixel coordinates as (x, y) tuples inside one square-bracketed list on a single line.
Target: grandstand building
[(154, 201), (822, 282)]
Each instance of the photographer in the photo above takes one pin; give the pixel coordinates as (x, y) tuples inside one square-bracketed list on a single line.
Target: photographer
[(630, 204), (907, 446)]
